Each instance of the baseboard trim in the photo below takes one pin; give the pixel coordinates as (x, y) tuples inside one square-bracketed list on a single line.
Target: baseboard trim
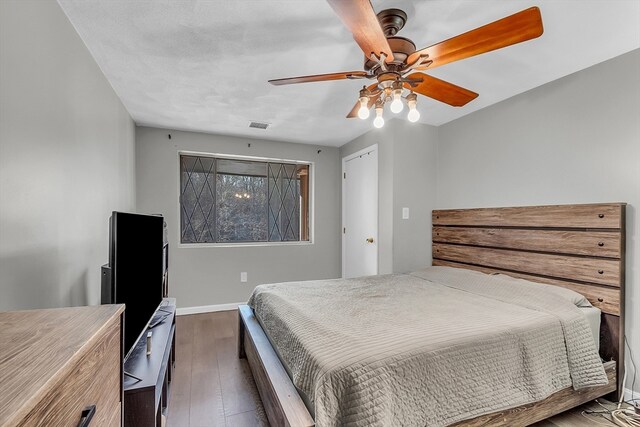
[(207, 308)]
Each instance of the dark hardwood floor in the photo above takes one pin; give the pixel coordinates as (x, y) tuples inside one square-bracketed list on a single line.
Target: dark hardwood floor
[(213, 388)]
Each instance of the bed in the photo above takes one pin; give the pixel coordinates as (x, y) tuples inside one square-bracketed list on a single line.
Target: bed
[(519, 351)]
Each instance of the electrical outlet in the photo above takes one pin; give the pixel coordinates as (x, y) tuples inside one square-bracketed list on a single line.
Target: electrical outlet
[(243, 276), (405, 213)]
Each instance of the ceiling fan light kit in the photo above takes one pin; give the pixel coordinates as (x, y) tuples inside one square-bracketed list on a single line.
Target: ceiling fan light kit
[(378, 122), (363, 111), (414, 114), (395, 64), (396, 104)]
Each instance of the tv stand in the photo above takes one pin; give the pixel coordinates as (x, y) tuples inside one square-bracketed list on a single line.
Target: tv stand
[(158, 318), (127, 374), (145, 400)]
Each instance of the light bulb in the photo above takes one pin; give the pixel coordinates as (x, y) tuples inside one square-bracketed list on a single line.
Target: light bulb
[(414, 114), (378, 122), (396, 104), (363, 112)]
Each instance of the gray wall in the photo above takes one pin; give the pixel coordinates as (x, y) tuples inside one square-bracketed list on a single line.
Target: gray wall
[(574, 140), (414, 186), (66, 160), (407, 154), (200, 276)]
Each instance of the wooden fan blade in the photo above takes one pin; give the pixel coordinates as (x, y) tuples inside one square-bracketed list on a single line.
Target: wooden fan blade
[(519, 27), (372, 100), (320, 78), (440, 90), (358, 16)]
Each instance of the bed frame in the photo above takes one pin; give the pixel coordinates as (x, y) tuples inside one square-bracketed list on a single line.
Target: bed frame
[(580, 247)]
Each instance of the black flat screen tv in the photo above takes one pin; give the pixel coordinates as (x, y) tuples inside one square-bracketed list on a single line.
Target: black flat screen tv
[(134, 275)]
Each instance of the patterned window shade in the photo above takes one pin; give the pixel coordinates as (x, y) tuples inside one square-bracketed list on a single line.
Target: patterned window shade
[(197, 199), (284, 194), (230, 200)]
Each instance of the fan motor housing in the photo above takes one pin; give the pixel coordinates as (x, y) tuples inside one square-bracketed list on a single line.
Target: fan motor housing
[(401, 47)]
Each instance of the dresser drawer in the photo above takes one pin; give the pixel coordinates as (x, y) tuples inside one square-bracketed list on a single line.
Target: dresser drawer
[(94, 379)]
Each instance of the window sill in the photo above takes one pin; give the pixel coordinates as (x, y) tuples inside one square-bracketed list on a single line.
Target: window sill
[(243, 244)]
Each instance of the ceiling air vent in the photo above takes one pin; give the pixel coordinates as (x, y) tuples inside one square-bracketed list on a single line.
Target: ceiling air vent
[(258, 125)]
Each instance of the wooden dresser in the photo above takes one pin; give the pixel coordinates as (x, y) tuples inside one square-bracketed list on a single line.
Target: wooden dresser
[(58, 364)]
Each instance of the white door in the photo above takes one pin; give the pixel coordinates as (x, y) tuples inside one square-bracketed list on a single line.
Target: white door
[(360, 213)]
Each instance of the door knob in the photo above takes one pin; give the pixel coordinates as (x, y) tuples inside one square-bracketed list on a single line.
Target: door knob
[(370, 240)]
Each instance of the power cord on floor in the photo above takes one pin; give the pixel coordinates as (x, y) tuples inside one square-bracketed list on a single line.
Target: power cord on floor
[(599, 414), (620, 417), (626, 417), (623, 417)]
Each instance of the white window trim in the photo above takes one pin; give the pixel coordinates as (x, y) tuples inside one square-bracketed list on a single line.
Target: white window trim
[(312, 192)]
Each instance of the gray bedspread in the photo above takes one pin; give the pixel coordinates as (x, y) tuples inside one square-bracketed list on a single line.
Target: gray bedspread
[(428, 348)]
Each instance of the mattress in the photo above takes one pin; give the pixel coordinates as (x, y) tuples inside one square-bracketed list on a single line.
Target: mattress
[(429, 348), (593, 315)]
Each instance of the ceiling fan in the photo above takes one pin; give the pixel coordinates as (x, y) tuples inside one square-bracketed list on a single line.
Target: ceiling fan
[(395, 63)]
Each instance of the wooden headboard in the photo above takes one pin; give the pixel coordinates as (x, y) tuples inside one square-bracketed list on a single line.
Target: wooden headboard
[(580, 247)]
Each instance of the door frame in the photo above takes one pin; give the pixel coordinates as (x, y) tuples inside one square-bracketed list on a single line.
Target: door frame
[(345, 159)]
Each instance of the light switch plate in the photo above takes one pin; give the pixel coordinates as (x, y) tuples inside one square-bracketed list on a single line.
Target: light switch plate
[(405, 213), (243, 276)]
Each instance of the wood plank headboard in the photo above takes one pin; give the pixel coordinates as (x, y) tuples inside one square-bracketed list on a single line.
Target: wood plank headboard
[(580, 247)]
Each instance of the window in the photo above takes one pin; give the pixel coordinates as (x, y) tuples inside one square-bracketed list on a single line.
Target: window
[(227, 200)]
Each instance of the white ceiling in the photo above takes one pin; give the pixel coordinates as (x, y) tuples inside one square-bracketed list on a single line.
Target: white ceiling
[(203, 65)]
